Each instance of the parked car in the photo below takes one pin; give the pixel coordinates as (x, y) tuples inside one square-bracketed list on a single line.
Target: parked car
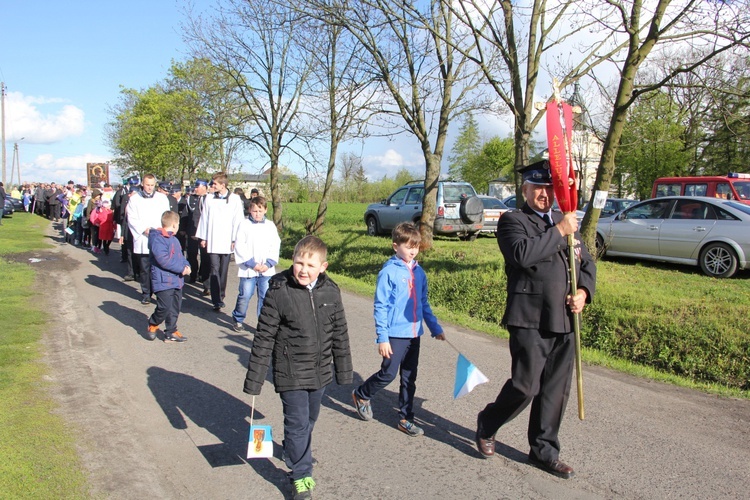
[(459, 210), (17, 204), (493, 210), (510, 202), (708, 232), (8, 210), (613, 206)]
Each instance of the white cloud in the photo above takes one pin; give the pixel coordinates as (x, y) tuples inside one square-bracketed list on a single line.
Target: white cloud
[(47, 168), (41, 120), (390, 162)]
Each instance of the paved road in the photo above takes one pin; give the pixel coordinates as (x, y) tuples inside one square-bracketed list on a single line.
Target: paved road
[(162, 420)]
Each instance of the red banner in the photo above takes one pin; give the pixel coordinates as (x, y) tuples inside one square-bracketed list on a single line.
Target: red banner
[(559, 142)]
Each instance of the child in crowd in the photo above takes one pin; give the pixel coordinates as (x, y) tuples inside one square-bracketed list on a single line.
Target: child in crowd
[(256, 251), (400, 307), (168, 266), (76, 208), (91, 232), (104, 218), (302, 320)]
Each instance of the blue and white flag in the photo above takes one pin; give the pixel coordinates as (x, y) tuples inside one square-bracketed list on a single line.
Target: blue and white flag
[(468, 377)]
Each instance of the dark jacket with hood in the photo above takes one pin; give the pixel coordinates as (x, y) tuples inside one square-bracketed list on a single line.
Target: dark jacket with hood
[(167, 261), (305, 333)]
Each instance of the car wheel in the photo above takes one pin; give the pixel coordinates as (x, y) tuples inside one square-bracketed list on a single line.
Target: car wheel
[(372, 226), (471, 210), (718, 260), (600, 250)]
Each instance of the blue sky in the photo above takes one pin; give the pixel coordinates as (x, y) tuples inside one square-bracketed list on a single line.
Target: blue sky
[(63, 64)]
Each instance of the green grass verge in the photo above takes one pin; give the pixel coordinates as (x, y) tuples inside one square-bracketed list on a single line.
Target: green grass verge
[(662, 321), (39, 456)]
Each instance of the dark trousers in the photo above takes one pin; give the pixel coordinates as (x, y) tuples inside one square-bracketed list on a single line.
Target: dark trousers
[(405, 359), (54, 211), (218, 276), (143, 261), (126, 249), (541, 370), (94, 236), (301, 409), (198, 272), (168, 303)]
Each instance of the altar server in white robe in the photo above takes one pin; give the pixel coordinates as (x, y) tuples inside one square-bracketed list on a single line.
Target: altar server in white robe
[(144, 210), (222, 213)]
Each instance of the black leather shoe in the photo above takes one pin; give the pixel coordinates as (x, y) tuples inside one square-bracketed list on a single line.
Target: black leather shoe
[(555, 467), (486, 447)]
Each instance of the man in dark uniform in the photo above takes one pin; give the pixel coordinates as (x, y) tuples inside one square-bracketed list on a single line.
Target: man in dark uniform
[(194, 209), (126, 238), (118, 200), (175, 193), (53, 202), (539, 317), (165, 188)]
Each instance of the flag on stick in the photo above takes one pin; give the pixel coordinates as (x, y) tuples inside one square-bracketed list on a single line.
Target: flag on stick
[(468, 377)]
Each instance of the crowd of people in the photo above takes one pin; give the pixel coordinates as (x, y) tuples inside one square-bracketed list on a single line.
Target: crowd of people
[(168, 235)]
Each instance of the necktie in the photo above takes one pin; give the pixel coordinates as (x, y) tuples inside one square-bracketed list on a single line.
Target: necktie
[(547, 220)]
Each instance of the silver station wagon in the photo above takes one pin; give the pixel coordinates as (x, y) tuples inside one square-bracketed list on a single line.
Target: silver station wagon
[(711, 233)]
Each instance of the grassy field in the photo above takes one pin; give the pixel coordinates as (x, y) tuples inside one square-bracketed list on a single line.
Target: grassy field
[(668, 322), (38, 454)]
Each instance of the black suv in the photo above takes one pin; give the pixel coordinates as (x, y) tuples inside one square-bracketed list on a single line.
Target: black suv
[(459, 210)]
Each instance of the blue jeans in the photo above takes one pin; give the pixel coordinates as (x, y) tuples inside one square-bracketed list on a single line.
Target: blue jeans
[(247, 289)]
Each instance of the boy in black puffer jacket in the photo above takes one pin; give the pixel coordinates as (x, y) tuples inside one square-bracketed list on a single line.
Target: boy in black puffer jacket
[(303, 327)]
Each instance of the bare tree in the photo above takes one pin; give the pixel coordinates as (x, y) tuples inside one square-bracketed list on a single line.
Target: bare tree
[(349, 165), (710, 28), (426, 79), (512, 38), (346, 93), (254, 44)]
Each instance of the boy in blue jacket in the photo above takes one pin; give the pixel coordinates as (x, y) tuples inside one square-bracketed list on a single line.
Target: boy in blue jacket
[(400, 307), (168, 266)]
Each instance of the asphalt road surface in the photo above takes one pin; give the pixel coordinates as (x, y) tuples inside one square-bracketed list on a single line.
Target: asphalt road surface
[(158, 420)]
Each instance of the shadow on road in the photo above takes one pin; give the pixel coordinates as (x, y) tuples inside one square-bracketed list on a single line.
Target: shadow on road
[(385, 411), (216, 411)]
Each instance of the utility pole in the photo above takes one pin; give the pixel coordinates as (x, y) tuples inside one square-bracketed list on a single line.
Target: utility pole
[(16, 163), (2, 112)]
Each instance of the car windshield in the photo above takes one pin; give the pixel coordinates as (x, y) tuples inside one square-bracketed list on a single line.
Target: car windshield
[(456, 192), (492, 203), (743, 189), (738, 206)]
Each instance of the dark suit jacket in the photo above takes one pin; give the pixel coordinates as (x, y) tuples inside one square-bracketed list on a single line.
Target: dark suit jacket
[(536, 264)]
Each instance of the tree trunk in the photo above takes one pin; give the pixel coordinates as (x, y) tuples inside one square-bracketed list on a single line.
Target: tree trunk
[(320, 218), (606, 168)]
